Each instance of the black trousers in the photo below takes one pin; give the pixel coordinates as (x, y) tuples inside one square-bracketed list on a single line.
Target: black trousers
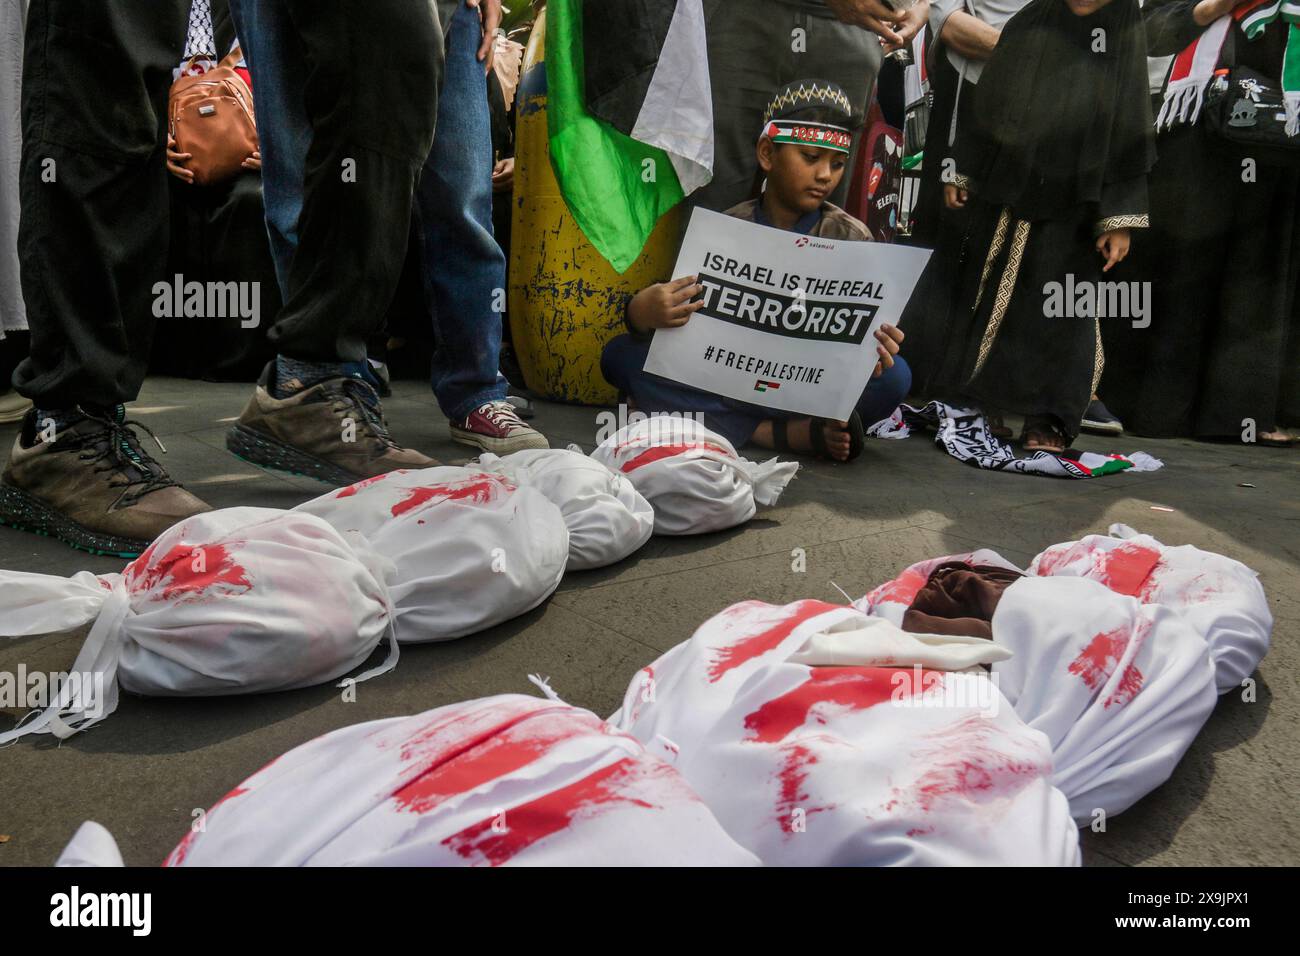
[(92, 237), (93, 233), (218, 233), (1223, 259), (363, 77)]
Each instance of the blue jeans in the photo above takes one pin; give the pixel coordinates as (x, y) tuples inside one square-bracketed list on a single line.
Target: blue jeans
[(464, 267), (623, 362), (278, 67)]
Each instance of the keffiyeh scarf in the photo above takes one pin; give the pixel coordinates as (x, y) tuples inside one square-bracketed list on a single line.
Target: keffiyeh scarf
[(1193, 69)]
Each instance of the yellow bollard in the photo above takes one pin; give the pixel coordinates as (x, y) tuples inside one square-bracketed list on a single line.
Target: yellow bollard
[(565, 299)]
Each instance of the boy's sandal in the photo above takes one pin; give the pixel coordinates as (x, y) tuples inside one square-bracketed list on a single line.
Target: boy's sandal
[(1044, 434), (817, 434)]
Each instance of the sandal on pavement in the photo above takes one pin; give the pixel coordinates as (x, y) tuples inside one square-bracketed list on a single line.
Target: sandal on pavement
[(817, 435), (1042, 433)]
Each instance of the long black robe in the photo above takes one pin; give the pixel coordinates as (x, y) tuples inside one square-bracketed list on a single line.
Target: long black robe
[(1057, 154), (1223, 257)]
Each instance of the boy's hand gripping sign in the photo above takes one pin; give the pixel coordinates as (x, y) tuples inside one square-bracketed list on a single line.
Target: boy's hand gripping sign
[(788, 320)]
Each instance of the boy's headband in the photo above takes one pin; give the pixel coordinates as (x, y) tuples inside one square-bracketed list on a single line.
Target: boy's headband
[(803, 133)]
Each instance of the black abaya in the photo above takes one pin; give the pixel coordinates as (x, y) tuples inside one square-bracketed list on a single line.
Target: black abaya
[(1222, 354), (1057, 154)]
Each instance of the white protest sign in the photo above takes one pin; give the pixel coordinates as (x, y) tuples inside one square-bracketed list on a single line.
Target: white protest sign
[(788, 320)]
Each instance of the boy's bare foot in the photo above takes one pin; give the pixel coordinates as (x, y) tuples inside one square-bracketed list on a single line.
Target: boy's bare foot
[(813, 436)]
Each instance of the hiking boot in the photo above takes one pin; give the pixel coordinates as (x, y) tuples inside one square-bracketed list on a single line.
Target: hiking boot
[(93, 486), (497, 427), (1100, 420), (333, 431)]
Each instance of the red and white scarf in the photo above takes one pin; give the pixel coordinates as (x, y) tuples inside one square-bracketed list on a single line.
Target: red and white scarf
[(1193, 69)]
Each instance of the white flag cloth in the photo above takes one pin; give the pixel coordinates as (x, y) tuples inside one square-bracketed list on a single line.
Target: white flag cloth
[(507, 780), (848, 764), (607, 518), (471, 548), (234, 601), (694, 478)]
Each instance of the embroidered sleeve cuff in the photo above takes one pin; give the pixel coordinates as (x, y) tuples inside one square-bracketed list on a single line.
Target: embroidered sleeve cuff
[(1122, 222), (961, 182)]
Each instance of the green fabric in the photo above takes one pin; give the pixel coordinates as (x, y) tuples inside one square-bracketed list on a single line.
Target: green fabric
[(1110, 467), (600, 170), (1288, 12)]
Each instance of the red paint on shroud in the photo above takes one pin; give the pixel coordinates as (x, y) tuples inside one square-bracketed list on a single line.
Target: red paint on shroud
[(515, 747), (476, 491), (1201, 587), (855, 688), (902, 590), (747, 648), (1125, 569), (1057, 557), (1098, 661), (177, 856), (181, 582), (353, 488), (1130, 683), (796, 759), (659, 452), (526, 824), (965, 764), (449, 731)]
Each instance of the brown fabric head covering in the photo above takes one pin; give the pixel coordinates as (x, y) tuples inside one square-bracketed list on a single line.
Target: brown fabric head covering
[(959, 599)]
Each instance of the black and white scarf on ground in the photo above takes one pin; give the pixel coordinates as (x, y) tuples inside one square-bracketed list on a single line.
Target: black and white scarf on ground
[(964, 434)]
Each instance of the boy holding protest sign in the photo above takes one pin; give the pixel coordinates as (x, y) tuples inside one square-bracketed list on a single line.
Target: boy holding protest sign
[(802, 153)]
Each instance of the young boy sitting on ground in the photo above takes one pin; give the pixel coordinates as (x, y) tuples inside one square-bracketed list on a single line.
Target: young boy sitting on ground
[(799, 177)]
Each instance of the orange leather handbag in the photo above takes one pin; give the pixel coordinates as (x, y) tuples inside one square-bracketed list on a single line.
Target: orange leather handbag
[(211, 116)]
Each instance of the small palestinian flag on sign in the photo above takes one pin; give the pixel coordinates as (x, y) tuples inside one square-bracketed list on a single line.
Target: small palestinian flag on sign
[(762, 385)]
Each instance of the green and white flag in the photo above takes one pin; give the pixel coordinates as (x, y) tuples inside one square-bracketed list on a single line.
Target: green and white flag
[(629, 113)]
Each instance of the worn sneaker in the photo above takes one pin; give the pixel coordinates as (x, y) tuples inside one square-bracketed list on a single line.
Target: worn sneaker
[(497, 427), (93, 487), (1099, 419), (334, 431)]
